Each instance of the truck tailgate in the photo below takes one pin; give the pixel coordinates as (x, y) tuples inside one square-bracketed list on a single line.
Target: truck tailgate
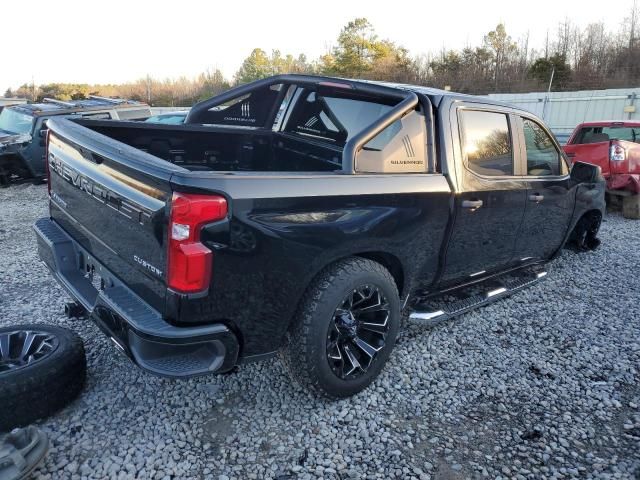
[(593, 153), (111, 198)]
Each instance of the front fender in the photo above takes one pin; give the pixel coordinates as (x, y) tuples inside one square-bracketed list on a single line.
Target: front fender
[(590, 197)]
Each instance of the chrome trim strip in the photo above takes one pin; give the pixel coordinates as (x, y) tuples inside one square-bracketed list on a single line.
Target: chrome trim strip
[(495, 292), (426, 315)]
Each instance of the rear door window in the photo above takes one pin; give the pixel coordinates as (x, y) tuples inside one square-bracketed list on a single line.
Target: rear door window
[(487, 142)]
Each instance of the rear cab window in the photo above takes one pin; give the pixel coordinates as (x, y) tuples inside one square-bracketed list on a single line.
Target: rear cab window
[(331, 118), (597, 134)]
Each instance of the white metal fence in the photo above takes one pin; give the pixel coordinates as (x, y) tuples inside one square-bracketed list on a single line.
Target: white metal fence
[(562, 111), (5, 102)]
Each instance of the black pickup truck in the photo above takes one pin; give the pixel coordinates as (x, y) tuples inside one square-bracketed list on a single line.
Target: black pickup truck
[(305, 215)]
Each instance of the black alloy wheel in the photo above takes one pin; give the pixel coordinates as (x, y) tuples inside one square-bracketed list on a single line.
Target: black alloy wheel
[(42, 369), (357, 332), (345, 328), (19, 348)]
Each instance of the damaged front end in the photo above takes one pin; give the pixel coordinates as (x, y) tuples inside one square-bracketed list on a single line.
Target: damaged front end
[(590, 206), (11, 161)]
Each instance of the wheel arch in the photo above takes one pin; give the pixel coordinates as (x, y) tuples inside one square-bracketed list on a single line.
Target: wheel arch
[(388, 260), (593, 213), (391, 263)]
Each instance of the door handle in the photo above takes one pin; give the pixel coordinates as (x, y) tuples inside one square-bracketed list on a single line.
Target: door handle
[(536, 197), (472, 204)]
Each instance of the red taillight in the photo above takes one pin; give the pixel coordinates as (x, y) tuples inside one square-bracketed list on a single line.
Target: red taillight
[(189, 261), (617, 153), (46, 160)]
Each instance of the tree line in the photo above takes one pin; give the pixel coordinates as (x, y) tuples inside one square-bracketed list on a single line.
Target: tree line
[(571, 58)]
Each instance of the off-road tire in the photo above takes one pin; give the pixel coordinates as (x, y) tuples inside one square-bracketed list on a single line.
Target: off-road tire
[(305, 355), (37, 390)]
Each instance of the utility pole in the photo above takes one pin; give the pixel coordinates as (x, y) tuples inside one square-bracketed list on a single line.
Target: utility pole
[(148, 89), (634, 19), (546, 98), (546, 46)]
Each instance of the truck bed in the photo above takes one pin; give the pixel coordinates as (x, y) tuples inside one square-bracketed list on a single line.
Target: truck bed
[(214, 148)]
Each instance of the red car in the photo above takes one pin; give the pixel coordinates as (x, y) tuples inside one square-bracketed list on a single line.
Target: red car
[(615, 147)]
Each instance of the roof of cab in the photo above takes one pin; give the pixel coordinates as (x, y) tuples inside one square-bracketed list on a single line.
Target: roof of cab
[(436, 94)]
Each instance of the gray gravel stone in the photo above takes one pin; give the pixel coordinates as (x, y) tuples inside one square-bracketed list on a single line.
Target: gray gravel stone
[(543, 384)]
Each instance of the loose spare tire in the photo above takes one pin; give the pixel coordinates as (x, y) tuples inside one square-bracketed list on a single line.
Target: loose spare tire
[(42, 369)]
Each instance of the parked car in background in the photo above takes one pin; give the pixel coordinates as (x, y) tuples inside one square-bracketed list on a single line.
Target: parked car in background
[(23, 130), (614, 146), (301, 214), (170, 118)]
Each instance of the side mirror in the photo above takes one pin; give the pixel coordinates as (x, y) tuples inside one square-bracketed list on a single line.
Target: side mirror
[(585, 172), (43, 129), (42, 133)]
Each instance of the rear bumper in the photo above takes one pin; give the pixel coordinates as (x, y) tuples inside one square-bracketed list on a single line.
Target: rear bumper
[(624, 181), (136, 329)]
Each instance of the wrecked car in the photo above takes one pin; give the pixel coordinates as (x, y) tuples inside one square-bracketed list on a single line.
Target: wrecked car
[(614, 147), (23, 130), (302, 215)]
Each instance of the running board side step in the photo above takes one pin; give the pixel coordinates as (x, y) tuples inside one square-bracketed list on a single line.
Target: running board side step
[(458, 307)]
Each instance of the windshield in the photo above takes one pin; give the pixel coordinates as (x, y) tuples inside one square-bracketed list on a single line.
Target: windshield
[(15, 122)]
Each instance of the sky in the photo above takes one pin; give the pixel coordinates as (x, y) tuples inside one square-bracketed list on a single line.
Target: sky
[(116, 41)]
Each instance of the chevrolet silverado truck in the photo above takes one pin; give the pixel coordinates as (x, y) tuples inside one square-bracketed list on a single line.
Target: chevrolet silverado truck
[(613, 146), (23, 130), (304, 216)]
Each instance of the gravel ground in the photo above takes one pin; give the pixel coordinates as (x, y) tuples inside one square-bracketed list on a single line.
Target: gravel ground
[(544, 384)]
